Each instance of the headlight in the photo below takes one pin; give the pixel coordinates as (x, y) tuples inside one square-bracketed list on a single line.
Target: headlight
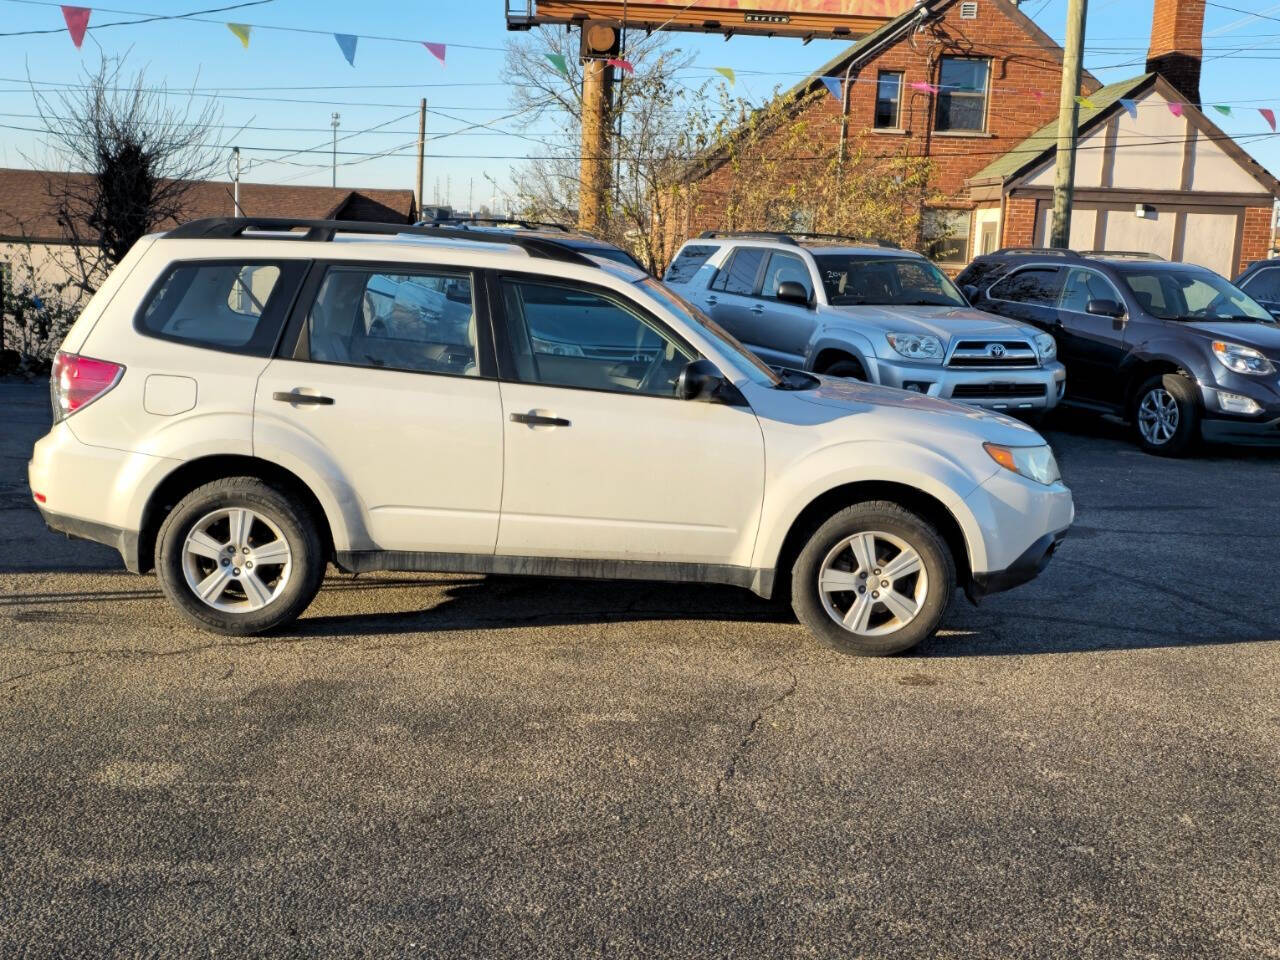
[(1034, 463), (913, 346), (1046, 346), (1240, 359), (556, 349)]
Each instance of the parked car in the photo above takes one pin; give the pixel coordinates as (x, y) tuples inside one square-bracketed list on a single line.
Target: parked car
[(1262, 282), (575, 240), (870, 312), (1174, 348), (236, 445)]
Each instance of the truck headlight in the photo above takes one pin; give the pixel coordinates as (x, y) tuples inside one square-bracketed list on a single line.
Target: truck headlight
[(1034, 463), (1046, 347), (1241, 359), (916, 346)]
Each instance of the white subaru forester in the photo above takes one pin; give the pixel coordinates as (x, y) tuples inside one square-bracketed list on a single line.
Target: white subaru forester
[(246, 401)]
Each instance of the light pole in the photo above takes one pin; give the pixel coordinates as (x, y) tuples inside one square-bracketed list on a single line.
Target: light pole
[(333, 121)]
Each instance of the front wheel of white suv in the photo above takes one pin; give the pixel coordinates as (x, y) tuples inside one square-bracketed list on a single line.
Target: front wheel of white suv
[(873, 580), (238, 556)]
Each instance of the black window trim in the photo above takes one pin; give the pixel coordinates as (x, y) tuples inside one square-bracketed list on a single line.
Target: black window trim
[(1068, 267), (247, 349), (755, 285), (507, 372), (294, 343), (1056, 267)]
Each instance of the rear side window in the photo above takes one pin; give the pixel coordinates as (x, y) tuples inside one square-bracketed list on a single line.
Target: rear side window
[(739, 275), (1264, 285), (688, 263), (229, 305), (1035, 285)]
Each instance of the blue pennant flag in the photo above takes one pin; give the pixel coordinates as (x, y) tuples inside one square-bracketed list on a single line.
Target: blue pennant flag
[(833, 87), (347, 44), (1131, 106)]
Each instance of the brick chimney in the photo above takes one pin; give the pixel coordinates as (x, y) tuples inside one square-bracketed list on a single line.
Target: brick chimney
[(1177, 45)]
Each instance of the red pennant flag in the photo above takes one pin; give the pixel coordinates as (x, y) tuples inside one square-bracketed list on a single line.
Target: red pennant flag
[(1270, 117), (622, 65), (1175, 108), (77, 22), (436, 50)]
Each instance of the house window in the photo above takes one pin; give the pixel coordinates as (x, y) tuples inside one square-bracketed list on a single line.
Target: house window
[(889, 101), (962, 94), (944, 234)]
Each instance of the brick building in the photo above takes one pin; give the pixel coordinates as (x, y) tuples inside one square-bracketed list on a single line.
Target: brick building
[(974, 86)]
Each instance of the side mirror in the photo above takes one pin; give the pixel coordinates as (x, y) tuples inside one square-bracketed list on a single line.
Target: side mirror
[(970, 292), (1104, 308), (699, 380), (789, 291)]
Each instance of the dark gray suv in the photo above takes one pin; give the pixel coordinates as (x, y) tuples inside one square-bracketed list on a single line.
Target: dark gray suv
[(1175, 348)]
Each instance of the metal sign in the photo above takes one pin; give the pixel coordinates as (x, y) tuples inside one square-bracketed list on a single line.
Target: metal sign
[(800, 18)]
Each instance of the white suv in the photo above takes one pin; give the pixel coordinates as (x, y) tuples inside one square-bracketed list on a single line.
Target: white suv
[(246, 401)]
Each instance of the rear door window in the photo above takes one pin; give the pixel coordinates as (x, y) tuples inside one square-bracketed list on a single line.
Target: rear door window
[(740, 273), (1264, 285), (230, 305), (1083, 286), (1038, 286), (689, 262), (783, 267)]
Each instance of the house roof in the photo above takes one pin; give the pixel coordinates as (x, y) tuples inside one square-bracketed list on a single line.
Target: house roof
[(1035, 150), (27, 208)]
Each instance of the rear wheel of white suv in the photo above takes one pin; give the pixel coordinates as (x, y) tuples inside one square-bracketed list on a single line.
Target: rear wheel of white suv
[(873, 580), (237, 556)]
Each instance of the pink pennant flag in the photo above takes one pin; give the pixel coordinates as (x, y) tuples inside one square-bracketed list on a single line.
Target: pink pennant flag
[(924, 87), (1038, 95), (624, 65), (436, 50), (77, 22), (1270, 117), (1175, 108)]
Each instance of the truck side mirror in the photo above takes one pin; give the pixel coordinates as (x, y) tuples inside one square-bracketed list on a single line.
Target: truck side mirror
[(1104, 308), (789, 291)]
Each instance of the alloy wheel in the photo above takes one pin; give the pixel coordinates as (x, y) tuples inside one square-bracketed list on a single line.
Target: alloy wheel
[(873, 583), (236, 560), (1158, 417)]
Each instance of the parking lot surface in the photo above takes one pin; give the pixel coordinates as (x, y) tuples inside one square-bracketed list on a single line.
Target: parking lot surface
[(464, 766)]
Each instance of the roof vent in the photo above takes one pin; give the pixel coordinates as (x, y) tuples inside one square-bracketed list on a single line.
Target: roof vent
[(969, 11)]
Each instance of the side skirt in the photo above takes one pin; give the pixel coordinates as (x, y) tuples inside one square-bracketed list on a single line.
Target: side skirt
[(759, 582)]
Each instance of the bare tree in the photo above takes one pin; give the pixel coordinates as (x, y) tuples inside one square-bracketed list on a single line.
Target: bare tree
[(131, 155)]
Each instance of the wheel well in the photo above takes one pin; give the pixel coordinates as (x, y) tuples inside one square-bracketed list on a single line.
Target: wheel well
[(1144, 372), (196, 473), (828, 358), (831, 502)]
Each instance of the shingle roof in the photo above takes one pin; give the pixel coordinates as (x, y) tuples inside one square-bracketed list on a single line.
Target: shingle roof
[(1031, 150), (27, 213)]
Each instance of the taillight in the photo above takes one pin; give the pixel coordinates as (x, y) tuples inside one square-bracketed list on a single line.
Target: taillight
[(78, 381)]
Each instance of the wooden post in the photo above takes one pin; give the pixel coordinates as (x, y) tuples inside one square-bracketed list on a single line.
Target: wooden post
[(1068, 116), (594, 177)]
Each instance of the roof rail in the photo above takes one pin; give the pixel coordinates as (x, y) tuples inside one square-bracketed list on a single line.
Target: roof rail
[(323, 231), (1123, 254), (495, 222), (791, 237), (1037, 251)]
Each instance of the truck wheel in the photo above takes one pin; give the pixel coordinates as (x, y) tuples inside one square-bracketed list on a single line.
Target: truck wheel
[(1166, 415), (873, 580), (847, 369), (238, 557)]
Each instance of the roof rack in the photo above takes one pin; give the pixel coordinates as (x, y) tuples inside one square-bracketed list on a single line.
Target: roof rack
[(495, 222), (1123, 254), (323, 231), (783, 236), (1038, 251)]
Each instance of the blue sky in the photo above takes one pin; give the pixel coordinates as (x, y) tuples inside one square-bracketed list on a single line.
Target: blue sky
[(383, 88)]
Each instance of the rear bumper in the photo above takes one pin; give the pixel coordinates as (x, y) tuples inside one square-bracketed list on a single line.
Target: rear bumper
[(124, 541), (1039, 388), (1023, 570)]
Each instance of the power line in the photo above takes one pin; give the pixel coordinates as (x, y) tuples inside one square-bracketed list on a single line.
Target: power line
[(147, 17)]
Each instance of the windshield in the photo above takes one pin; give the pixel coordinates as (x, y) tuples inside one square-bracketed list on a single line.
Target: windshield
[(1192, 294), (850, 279), (746, 362)]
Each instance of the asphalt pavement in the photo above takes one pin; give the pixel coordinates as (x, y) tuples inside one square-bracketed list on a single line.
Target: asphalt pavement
[(455, 766)]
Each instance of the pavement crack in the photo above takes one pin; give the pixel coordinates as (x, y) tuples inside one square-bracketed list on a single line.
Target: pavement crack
[(16, 680), (731, 768)]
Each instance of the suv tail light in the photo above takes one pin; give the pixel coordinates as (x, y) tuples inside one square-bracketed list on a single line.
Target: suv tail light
[(78, 381)]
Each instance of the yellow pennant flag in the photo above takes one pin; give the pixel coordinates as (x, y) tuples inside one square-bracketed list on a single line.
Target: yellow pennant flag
[(726, 73), (1085, 102), (241, 30)]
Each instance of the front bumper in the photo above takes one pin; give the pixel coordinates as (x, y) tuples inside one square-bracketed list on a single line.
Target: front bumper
[(1021, 523), (1006, 389), (1220, 424), (1023, 570)]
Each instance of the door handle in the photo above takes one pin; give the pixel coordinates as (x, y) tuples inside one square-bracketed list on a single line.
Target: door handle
[(757, 309), (713, 300), (538, 420), (293, 396)]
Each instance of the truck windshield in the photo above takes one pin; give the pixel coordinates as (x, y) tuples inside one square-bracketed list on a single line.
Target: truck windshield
[(851, 280), (1192, 294)]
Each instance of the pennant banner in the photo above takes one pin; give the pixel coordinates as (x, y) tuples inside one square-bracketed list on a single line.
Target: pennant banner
[(1131, 107), (347, 44), (924, 87), (833, 87), (77, 22), (558, 61), (1175, 108), (436, 50), (726, 73), (624, 65), (1270, 117), (1038, 95), (1225, 111), (241, 30), (1086, 103)]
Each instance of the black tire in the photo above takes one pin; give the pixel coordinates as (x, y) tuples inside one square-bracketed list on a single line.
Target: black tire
[(1163, 389), (885, 518), (296, 527), (848, 369)]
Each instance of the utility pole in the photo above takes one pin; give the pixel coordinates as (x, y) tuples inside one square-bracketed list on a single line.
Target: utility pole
[(422, 147), (333, 122), (471, 196), (1068, 126), (235, 191), (600, 41)]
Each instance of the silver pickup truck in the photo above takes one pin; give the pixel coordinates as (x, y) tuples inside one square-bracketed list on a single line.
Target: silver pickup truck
[(869, 312)]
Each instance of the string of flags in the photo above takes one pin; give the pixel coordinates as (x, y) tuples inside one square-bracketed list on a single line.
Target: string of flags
[(77, 21)]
